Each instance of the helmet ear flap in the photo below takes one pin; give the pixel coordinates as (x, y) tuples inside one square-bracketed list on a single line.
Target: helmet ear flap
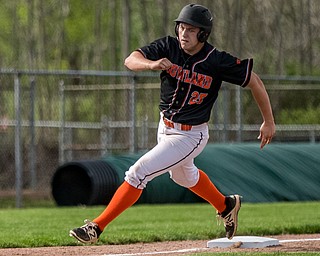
[(202, 36)]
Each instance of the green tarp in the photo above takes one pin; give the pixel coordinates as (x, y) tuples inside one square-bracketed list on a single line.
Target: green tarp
[(279, 172)]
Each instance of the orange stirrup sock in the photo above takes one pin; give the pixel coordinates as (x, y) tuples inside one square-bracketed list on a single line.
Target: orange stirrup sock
[(125, 196), (208, 191)]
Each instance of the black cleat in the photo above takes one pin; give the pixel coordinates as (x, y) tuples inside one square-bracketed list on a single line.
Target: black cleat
[(87, 234), (230, 215)]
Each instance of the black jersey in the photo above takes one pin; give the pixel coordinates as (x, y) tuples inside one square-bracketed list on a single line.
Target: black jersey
[(190, 87)]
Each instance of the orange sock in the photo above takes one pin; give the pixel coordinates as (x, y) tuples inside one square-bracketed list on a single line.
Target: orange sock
[(125, 196), (208, 191)]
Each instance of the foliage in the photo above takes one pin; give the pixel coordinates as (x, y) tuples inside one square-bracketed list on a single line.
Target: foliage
[(310, 115), (280, 35)]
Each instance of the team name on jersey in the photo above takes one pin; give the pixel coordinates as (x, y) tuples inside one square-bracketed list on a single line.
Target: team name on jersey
[(186, 76)]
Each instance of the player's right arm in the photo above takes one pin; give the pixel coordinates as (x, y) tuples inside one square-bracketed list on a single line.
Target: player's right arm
[(267, 129), (137, 62)]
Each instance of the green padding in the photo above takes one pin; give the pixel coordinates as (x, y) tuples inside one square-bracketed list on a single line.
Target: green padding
[(279, 172)]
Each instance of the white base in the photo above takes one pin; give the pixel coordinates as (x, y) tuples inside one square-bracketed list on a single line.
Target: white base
[(243, 242)]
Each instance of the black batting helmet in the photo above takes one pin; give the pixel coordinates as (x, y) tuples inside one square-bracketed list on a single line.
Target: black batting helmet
[(197, 16)]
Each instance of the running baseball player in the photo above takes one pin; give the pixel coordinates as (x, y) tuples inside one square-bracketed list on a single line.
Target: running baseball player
[(192, 71)]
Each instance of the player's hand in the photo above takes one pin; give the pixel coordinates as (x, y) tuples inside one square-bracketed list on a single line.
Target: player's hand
[(267, 131), (162, 64)]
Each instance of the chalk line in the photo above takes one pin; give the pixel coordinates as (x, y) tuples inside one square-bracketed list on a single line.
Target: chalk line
[(201, 249), (161, 252), (299, 240)]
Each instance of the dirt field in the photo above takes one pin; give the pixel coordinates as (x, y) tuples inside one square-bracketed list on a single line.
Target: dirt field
[(165, 248)]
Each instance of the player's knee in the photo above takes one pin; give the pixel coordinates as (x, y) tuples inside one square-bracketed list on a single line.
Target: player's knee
[(132, 177), (136, 177), (184, 181)]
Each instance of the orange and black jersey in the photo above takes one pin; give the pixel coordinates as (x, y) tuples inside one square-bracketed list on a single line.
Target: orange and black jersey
[(190, 87)]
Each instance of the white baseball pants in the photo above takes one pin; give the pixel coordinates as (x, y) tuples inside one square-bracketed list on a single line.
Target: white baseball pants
[(174, 153)]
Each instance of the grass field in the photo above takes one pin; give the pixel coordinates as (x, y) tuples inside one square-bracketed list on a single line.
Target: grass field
[(49, 226)]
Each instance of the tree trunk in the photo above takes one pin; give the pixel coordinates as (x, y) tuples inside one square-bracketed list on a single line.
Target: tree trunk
[(126, 22)]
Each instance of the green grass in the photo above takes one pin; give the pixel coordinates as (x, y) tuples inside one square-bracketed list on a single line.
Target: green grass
[(49, 226), (10, 202)]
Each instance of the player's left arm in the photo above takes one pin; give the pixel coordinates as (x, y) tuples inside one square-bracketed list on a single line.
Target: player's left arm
[(258, 90)]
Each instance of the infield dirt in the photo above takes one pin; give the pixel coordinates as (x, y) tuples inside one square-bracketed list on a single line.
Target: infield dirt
[(164, 248)]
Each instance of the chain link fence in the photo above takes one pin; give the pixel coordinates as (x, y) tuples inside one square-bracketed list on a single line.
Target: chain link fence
[(48, 118)]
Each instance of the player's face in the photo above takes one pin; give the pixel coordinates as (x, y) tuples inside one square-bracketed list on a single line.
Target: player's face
[(188, 38)]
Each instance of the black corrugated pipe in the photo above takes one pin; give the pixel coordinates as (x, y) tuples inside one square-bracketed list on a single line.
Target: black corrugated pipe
[(94, 182), (84, 182)]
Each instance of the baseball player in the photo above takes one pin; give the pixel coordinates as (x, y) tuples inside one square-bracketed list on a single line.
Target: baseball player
[(192, 71)]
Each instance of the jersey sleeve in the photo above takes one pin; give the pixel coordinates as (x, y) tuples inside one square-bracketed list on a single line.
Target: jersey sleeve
[(156, 50), (234, 70)]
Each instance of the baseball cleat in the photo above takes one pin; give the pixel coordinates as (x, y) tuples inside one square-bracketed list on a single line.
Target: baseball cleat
[(87, 234), (230, 215)]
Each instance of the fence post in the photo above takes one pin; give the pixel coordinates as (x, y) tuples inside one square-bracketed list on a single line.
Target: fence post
[(68, 144), (226, 115), (104, 135), (238, 101), (18, 140), (32, 166), (62, 122), (132, 115), (312, 136), (145, 133)]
